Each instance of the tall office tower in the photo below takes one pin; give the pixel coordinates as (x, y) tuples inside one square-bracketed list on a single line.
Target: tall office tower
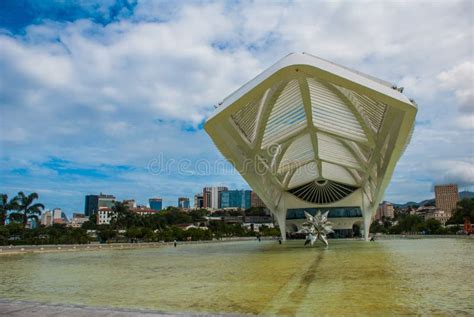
[(47, 218), (59, 216), (183, 202), (211, 196), (446, 197), (156, 203), (198, 201), (385, 210), (255, 201), (235, 199), (92, 205), (94, 202), (206, 197)]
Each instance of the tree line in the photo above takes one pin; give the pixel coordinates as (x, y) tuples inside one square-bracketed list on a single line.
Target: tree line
[(125, 226)]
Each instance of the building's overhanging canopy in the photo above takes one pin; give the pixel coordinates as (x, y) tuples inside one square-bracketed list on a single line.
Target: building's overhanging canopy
[(315, 130)]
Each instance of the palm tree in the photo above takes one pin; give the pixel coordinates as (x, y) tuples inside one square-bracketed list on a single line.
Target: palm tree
[(6, 206), (26, 209)]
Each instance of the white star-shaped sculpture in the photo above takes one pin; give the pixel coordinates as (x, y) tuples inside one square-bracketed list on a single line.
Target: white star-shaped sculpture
[(316, 228)]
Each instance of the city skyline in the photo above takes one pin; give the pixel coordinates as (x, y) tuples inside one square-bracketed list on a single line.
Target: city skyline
[(101, 118)]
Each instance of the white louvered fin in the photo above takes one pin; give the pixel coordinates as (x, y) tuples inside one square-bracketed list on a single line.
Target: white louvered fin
[(245, 119), (331, 114), (369, 108), (299, 152), (287, 114), (304, 174), (338, 173), (332, 150)]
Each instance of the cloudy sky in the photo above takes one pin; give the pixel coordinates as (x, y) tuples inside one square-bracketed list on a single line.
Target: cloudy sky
[(92, 93)]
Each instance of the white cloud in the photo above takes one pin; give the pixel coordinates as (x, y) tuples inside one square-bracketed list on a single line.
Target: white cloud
[(465, 122), (120, 94), (460, 80), (451, 171)]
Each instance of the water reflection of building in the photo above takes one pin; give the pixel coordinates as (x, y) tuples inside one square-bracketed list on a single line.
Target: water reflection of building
[(307, 133), (446, 197)]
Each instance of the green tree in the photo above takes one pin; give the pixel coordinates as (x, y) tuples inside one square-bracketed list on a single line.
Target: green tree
[(410, 223), (4, 235), (377, 226), (433, 226), (123, 217), (255, 211), (464, 209), (90, 224), (134, 233), (105, 233), (6, 206), (26, 209), (198, 215)]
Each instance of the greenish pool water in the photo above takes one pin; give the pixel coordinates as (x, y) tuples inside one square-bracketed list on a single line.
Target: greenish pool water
[(397, 277)]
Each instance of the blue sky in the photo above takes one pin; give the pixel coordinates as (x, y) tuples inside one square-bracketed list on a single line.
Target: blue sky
[(95, 93)]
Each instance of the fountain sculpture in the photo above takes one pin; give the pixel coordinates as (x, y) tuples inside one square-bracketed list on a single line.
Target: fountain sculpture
[(316, 227)]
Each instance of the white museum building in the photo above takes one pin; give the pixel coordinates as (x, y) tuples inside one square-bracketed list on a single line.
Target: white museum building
[(308, 134)]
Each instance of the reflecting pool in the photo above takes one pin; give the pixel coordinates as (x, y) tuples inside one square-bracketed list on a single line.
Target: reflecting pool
[(425, 276)]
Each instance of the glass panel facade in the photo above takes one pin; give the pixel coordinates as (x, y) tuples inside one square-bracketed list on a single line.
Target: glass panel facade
[(334, 212), (235, 199)]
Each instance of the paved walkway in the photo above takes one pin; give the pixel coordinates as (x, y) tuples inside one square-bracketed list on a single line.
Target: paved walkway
[(31, 309), (22, 249)]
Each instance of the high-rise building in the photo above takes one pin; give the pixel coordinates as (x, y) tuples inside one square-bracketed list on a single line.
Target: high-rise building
[(385, 210), (59, 216), (47, 218), (255, 201), (198, 201), (235, 199), (156, 203), (211, 196), (446, 197), (94, 202), (183, 203), (92, 205)]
